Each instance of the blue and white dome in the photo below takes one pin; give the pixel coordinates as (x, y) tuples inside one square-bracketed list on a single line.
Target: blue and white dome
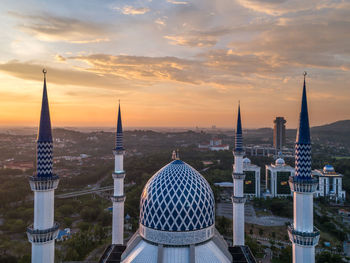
[(328, 169), (177, 199), (246, 161), (279, 161)]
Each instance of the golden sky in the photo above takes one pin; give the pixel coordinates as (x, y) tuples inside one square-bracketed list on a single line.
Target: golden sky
[(174, 63)]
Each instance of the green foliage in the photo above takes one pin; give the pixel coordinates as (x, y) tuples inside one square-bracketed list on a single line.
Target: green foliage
[(83, 242), (223, 225), (326, 257), (284, 256), (279, 207)]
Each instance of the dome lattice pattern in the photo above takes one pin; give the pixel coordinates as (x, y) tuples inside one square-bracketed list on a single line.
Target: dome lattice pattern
[(177, 198)]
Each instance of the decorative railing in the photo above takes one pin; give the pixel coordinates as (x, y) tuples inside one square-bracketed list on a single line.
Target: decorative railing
[(300, 185), (303, 238), (238, 200), (42, 235), (118, 198), (118, 175), (44, 183), (238, 176)]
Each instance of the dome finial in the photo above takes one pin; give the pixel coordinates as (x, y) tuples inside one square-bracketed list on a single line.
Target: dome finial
[(173, 156)]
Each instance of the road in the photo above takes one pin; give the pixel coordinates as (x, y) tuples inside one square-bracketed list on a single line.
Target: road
[(85, 192), (225, 209)]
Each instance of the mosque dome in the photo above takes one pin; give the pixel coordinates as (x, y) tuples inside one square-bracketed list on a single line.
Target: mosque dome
[(246, 161), (328, 169), (177, 206), (279, 161)]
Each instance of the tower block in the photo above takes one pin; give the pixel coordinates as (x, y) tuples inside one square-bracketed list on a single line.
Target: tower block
[(43, 232), (118, 197), (238, 176), (302, 233)]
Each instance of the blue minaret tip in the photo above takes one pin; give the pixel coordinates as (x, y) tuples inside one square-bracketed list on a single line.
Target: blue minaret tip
[(119, 135), (238, 137), (45, 133), (239, 123), (303, 134)]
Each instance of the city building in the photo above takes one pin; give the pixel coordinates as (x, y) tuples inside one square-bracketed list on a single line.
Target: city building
[(251, 188), (43, 232), (329, 183), (277, 176), (252, 179), (259, 150), (63, 235), (302, 233), (215, 144), (279, 133)]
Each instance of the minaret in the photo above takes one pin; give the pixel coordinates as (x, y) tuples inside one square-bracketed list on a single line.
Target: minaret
[(238, 176), (118, 198), (43, 232), (302, 233)]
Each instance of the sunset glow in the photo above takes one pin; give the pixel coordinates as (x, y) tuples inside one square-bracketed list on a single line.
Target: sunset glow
[(174, 63)]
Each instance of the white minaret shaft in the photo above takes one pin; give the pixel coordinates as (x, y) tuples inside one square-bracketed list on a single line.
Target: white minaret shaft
[(303, 235), (238, 176), (43, 232), (118, 197)]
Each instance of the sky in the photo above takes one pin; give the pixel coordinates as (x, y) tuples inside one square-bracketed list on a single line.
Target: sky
[(174, 63)]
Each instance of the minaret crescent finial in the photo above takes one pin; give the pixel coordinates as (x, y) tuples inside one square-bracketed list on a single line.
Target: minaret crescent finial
[(44, 72), (305, 73)]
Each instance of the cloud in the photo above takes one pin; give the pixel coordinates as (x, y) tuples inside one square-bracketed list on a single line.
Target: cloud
[(277, 7), (218, 67), (306, 41), (198, 38), (177, 2), (31, 71), (48, 27), (60, 58), (130, 10), (192, 41), (161, 21)]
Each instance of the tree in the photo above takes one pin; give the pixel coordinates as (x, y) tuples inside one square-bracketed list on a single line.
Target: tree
[(326, 257)]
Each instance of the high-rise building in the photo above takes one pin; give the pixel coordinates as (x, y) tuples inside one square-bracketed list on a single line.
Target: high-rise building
[(302, 233), (279, 132), (43, 232)]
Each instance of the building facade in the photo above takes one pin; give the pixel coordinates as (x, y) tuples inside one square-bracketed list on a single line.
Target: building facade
[(330, 184), (252, 179), (276, 179)]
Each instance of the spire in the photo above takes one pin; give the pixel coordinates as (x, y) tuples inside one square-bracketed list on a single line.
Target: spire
[(44, 142), (303, 134), (45, 134), (239, 138), (303, 144), (119, 135)]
